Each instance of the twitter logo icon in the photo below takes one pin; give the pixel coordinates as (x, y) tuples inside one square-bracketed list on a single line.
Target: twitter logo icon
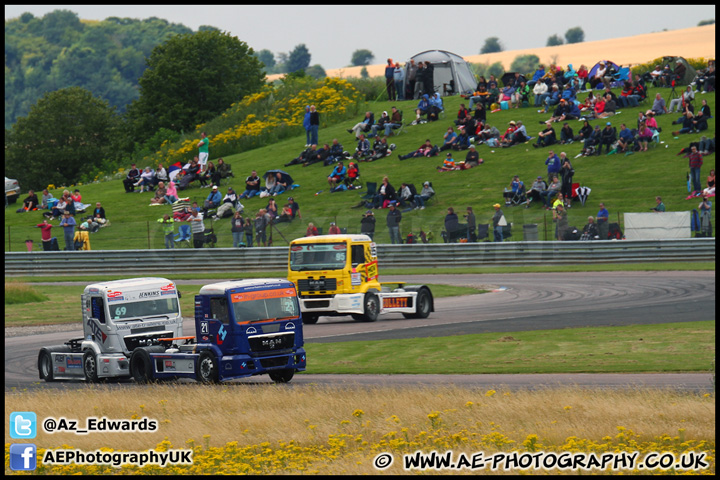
[(23, 425)]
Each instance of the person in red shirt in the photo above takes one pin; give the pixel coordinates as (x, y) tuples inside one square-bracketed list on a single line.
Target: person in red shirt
[(334, 229), (45, 228)]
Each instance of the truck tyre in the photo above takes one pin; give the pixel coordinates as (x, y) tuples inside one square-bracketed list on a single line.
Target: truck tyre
[(310, 318), (282, 376), (207, 367), (141, 365), (45, 366), (371, 307), (90, 367), (423, 305)]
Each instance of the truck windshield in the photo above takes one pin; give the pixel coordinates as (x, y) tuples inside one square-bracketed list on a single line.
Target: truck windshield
[(259, 309), (146, 308), (318, 256)]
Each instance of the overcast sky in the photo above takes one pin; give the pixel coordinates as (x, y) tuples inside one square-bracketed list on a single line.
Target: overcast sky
[(333, 33)]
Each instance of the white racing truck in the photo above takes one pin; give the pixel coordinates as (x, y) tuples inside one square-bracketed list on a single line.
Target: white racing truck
[(117, 317)]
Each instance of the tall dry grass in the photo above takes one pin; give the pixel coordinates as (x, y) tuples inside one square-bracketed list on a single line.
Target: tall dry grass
[(253, 414)]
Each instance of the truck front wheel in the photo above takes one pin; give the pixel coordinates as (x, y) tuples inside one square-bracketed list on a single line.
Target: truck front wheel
[(371, 307), (310, 318), (207, 370), (141, 366), (90, 367), (45, 366), (282, 376)]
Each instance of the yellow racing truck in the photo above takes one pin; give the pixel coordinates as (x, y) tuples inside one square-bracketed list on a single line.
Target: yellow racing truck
[(337, 275)]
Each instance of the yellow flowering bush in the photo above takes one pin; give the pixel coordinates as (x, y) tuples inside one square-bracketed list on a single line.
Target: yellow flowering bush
[(265, 117)]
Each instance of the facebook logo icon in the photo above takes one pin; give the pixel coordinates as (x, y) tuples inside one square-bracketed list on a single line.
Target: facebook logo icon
[(23, 425), (23, 456)]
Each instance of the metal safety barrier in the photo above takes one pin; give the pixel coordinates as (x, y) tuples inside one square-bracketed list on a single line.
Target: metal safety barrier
[(259, 259)]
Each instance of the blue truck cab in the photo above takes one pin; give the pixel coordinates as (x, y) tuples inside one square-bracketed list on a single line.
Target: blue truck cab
[(242, 328)]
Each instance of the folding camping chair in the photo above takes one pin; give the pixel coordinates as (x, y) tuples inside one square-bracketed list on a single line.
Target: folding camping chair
[(518, 198), (483, 231), (398, 130), (371, 190), (582, 194), (183, 236)]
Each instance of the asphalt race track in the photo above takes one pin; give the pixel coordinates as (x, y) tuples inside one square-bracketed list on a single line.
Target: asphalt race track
[(517, 302)]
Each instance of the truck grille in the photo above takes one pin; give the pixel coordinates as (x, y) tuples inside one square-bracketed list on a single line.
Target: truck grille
[(134, 341), (321, 284), (271, 343), (274, 362)]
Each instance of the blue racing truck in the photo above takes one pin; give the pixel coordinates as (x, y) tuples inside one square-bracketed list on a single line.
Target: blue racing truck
[(242, 328), (133, 328)]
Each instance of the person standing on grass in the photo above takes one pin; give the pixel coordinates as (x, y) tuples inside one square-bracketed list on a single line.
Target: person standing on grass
[(45, 232), (497, 219), (203, 151), (168, 230), (314, 125), (197, 226), (602, 218), (390, 80), (695, 161), (393, 222), (68, 223)]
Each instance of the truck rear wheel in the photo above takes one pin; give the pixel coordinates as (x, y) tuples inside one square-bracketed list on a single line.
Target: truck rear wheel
[(141, 365), (90, 367), (282, 376), (207, 369), (45, 366), (423, 305), (371, 307)]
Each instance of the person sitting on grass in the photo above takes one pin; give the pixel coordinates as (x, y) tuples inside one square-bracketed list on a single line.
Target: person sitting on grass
[(337, 175), (426, 150)]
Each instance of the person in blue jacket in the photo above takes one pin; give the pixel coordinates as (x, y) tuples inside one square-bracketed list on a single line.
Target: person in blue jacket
[(539, 73), (423, 107), (553, 165), (306, 126)]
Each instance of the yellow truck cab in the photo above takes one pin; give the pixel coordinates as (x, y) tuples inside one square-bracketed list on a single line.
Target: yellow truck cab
[(338, 275)]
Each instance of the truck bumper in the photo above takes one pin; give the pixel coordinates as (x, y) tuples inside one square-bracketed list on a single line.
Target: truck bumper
[(239, 366), (111, 366), (341, 303)]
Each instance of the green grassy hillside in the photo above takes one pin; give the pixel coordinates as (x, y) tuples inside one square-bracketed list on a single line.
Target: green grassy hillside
[(623, 183)]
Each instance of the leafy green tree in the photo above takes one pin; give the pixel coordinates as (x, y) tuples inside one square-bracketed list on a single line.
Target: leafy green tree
[(554, 41), (702, 23), (492, 45), (192, 78), (66, 136), (361, 57), (364, 73), (575, 35), (59, 51), (316, 71), (525, 63), (299, 58), (496, 69), (267, 58)]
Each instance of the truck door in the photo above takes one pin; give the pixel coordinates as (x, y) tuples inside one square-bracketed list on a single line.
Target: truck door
[(216, 326), (96, 323)]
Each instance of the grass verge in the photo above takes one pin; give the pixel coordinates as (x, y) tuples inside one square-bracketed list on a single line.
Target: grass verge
[(672, 347), (60, 304)]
